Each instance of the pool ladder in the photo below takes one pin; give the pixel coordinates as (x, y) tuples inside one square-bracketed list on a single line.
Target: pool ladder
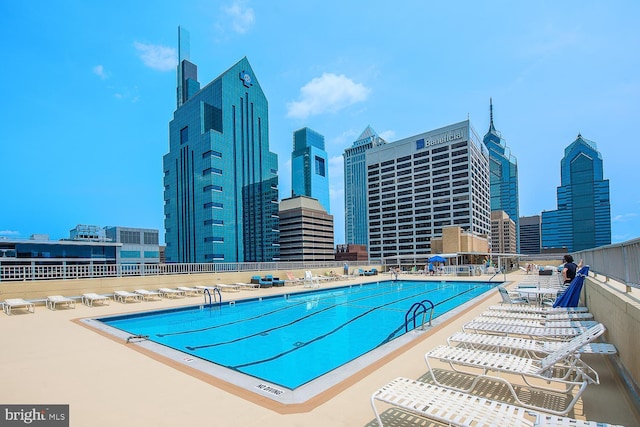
[(417, 309), (207, 293)]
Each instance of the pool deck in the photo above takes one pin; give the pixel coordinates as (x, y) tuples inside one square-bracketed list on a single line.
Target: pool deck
[(51, 358)]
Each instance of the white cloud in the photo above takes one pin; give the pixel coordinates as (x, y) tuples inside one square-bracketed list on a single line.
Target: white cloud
[(158, 57), (9, 233), (327, 93), (99, 71), (624, 217), (242, 17)]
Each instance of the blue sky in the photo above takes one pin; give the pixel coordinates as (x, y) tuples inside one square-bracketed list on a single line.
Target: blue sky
[(89, 90)]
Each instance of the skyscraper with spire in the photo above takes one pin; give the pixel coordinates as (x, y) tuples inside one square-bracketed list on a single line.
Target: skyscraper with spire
[(503, 172), (355, 187), (583, 217), (220, 179)]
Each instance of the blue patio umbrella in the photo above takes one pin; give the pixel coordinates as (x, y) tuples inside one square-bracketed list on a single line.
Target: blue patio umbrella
[(437, 258), (571, 295)]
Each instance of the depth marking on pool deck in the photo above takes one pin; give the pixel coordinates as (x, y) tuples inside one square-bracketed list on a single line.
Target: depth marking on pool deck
[(269, 389)]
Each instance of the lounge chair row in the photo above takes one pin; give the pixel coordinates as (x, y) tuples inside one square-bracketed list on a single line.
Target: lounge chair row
[(548, 367)]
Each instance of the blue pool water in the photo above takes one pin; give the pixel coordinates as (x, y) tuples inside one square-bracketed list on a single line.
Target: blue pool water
[(292, 339)]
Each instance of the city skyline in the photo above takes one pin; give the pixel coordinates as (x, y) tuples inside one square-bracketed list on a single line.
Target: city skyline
[(92, 88)]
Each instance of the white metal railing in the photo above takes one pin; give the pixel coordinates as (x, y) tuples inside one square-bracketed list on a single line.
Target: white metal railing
[(49, 270), (619, 261)]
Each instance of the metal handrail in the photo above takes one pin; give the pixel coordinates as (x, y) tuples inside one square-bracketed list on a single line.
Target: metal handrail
[(414, 311)]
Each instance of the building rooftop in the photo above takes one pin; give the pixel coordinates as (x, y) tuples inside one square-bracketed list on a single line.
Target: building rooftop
[(50, 357)]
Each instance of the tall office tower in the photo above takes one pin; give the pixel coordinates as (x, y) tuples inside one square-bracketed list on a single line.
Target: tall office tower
[(220, 179), (504, 175), (310, 167), (421, 184), (306, 230), (503, 233), (355, 187), (530, 235), (583, 217)]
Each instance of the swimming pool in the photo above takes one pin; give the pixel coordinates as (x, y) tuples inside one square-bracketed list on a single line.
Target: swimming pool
[(288, 341)]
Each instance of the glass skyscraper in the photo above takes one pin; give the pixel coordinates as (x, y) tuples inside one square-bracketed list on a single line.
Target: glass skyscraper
[(220, 179), (503, 172), (310, 167), (355, 187), (583, 217)]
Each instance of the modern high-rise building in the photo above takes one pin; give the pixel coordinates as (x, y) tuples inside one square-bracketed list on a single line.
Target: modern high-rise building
[(503, 168), (530, 235), (583, 216), (306, 230), (355, 187), (419, 185), (220, 179), (310, 167)]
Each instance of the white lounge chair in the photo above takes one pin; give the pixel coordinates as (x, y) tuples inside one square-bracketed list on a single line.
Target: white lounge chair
[(532, 348), (545, 323), (563, 366), (228, 288), (252, 286), (92, 297), (535, 309), (292, 280), (148, 295), (12, 303), (171, 293), (125, 296), (53, 301), (454, 408), (190, 291), (535, 332), (511, 298), (538, 316)]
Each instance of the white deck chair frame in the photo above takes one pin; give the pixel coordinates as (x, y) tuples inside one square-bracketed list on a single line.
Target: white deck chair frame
[(12, 303), (534, 332), (171, 293), (532, 348), (125, 296), (455, 408), (551, 317), (562, 367), (90, 298), (251, 286), (189, 291), (53, 300), (542, 323), (537, 309), (148, 295)]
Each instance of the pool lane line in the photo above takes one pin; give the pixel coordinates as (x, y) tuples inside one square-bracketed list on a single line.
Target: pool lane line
[(259, 316), (331, 332), (330, 307)]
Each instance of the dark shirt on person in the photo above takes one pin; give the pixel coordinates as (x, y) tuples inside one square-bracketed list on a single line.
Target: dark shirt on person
[(571, 271)]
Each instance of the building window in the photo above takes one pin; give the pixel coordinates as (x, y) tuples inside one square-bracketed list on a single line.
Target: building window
[(129, 254), (130, 237), (150, 238), (214, 205), (151, 254), (184, 135), (320, 166)]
